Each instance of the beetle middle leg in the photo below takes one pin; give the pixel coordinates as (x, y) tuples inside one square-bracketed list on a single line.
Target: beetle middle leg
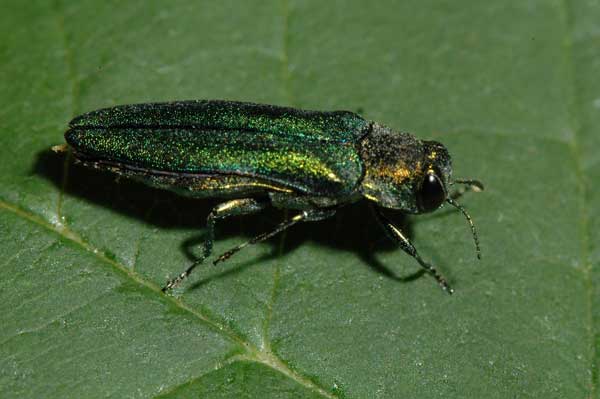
[(311, 215), (234, 207), (396, 234)]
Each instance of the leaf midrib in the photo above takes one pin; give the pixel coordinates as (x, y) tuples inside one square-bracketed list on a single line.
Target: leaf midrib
[(251, 352)]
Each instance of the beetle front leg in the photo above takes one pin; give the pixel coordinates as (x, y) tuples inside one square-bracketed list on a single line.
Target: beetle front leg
[(410, 249), (468, 185), (235, 207)]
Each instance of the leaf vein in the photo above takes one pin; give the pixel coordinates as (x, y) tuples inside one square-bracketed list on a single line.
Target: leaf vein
[(574, 109), (74, 95)]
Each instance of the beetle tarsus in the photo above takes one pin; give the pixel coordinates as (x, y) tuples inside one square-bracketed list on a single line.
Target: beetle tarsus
[(442, 282), (173, 283)]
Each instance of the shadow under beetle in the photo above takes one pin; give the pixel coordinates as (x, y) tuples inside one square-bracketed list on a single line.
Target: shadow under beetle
[(260, 155)]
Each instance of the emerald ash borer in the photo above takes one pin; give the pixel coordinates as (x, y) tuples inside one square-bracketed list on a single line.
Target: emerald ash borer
[(255, 156)]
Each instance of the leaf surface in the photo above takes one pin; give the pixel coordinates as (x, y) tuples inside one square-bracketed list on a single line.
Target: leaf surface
[(329, 309)]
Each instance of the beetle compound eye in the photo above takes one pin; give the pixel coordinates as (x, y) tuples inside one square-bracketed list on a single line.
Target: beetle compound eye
[(431, 193)]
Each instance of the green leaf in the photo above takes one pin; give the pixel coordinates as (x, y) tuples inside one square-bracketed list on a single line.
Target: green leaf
[(330, 309)]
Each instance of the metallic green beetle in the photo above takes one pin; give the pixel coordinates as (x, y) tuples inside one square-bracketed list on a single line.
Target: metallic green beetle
[(259, 155)]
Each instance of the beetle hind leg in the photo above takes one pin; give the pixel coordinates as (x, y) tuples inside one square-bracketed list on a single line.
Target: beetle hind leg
[(234, 207)]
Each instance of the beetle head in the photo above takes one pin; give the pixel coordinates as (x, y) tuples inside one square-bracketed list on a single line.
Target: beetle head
[(402, 172)]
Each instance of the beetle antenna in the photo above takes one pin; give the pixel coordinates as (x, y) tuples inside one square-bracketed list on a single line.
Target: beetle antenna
[(468, 217)]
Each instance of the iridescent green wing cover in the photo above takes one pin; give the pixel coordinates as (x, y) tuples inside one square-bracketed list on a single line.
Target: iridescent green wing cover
[(313, 153)]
